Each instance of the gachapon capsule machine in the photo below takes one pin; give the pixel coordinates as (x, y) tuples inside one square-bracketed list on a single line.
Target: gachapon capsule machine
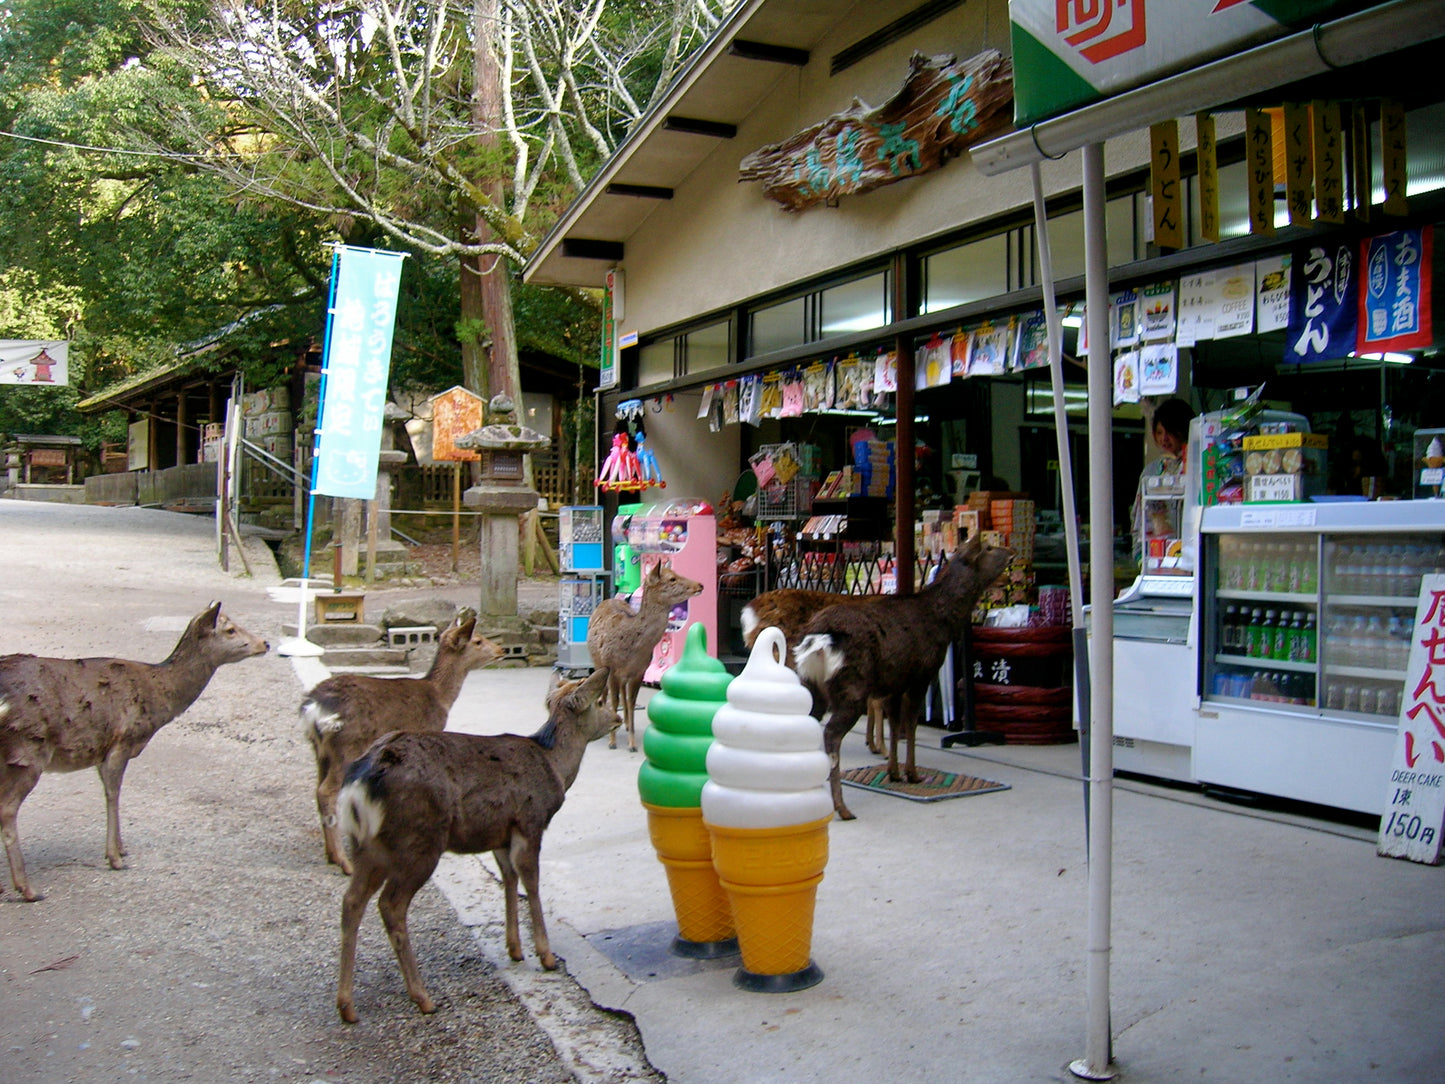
[(683, 535)]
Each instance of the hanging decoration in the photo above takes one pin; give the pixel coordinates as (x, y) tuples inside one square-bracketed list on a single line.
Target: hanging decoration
[(631, 465)]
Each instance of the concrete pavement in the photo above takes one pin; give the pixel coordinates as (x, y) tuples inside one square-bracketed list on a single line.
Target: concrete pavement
[(1247, 946)]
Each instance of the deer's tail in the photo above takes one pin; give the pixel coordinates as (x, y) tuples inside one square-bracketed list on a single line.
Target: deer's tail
[(359, 810), (818, 657)]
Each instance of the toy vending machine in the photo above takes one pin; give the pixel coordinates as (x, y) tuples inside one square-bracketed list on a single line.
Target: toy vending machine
[(683, 535), (580, 545)]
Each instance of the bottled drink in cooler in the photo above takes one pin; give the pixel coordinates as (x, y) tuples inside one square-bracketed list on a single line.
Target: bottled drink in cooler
[(1309, 582), (1229, 631), (1306, 641), (1279, 638)]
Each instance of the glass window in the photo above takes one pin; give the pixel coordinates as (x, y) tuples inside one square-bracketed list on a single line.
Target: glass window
[(654, 362), (855, 306), (1066, 245), (1123, 230), (708, 347), (970, 272), (1233, 204), (779, 326)]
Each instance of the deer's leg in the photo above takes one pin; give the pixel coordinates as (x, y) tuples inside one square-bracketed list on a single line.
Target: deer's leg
[(509, 887), (401, 885), (112, 772), (365, 880), (875, 726), (16, 784), (614, 702), (897, 705), (525, 855), (912, 711), (630, 691), (841, 719), (326, 791)]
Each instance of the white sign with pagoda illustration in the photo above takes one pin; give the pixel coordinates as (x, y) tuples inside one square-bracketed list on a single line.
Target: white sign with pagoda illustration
[(34, 361)]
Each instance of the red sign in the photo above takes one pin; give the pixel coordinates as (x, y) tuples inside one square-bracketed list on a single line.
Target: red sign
[(455, 413)]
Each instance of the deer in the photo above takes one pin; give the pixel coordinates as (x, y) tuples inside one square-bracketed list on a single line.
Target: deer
[(621, 640), (890, 649), (61, 715), (412, 797), (788, 609), (344, 714)]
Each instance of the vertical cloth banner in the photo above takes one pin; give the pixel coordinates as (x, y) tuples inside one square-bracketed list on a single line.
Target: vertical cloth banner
[(358, 364), (1323, 312), (1395, 291)]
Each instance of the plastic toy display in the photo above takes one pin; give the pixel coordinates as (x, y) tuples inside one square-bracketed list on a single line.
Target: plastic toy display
[(767, 805), (670, 783)]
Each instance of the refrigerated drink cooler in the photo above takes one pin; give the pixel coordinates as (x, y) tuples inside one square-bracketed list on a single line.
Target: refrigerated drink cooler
[(1306, 618)]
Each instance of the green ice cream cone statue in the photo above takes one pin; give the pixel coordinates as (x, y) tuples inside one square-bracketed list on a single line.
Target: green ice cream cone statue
[(670, 782)]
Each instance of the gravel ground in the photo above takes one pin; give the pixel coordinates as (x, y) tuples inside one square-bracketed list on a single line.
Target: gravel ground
[(212, 957)]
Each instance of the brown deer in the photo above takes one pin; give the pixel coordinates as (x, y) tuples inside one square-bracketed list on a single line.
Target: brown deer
[(621, 640), (347, 712), (61, 715), (890, 649), (414, 796), (789, 609)]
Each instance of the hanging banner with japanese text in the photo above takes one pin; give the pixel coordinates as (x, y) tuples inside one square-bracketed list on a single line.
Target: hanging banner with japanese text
[(1323, 311), (1395, 292), (1415, 799), (34, 361), (357, 367)]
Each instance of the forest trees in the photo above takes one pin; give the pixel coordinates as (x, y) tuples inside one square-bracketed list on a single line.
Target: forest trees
[(457, 129)]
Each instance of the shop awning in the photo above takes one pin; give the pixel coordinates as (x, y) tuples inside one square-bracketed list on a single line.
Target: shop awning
[(1350, 40)]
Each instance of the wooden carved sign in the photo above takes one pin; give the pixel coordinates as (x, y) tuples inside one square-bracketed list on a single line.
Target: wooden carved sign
[(944, 107), (455, 413)]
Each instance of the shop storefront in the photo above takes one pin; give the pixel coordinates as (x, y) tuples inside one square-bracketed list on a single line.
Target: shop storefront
[(787, 321)]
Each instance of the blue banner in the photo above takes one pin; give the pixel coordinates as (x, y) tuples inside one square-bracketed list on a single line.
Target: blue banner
[(1395, 298), (355, 373), (1323, 312)]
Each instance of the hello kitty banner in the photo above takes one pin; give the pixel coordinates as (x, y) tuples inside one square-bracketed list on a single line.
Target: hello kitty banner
[(41, 362)]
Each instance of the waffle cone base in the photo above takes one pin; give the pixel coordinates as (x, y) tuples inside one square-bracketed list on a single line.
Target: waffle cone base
[(704, 916)]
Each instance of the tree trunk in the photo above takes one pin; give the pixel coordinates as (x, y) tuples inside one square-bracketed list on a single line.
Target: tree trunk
[(492, 274)]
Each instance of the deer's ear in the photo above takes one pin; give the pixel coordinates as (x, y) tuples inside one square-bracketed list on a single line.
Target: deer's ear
[(209, 615), (970, 550), (466, 628), (591, 690)]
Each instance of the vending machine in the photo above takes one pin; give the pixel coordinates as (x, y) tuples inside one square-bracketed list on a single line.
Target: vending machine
[(681, 534)]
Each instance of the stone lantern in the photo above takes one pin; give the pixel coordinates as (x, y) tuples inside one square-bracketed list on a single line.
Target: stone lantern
[(502, 496)]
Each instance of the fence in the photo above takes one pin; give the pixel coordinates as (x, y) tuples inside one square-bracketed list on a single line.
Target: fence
[(193, 484)]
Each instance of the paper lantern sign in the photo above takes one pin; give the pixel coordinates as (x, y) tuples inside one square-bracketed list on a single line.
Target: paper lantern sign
[(454, 413)]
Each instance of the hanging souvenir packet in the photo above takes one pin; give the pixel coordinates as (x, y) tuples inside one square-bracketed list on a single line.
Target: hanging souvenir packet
[(885, 372), (987, 350), (705, 407), (785, 466), (772, 396), (1126, 378), (932, 364), (815, 380), (958, 354), (1031, 344), (849, 374), (715, 409), (750, 400), (1123, 319), (762, 464), (792, 395), (730, 402)]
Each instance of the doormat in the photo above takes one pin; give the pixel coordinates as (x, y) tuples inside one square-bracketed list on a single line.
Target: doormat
[(933, 785)]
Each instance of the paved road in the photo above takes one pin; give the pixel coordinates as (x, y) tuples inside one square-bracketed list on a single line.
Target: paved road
[(212, 957)]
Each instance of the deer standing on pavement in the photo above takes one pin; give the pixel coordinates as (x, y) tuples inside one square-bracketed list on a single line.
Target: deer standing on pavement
[(890, 649), (621, 641), (414, 796), (61, 715), (789, 609), (347, 712)]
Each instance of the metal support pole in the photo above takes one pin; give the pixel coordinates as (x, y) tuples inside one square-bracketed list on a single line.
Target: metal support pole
[(1096, 1064)]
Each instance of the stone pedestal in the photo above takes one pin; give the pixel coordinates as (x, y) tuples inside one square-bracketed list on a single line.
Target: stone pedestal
[(390, 554), (501, 507)]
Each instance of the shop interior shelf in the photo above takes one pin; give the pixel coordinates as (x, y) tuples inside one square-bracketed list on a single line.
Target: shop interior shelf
[(1368, 673), (1245, 662), (1396, 602), (1271, 596), (1267, 705)]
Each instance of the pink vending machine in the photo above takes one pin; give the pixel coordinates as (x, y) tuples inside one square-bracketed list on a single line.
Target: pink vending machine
[(683, 535)]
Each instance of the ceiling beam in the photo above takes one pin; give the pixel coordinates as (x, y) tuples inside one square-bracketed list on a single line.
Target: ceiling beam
[(698, 126), (643, 191), (761, 50), (581, 248)]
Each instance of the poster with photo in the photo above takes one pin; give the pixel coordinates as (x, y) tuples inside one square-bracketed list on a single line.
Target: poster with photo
[(1126, 377), (1158, 312), (848, 383), (1271, 294), (792, 395), (1158, 369)]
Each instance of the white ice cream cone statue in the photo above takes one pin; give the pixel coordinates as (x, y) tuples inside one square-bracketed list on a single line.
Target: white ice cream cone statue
[(767, 806), (671, 780)]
